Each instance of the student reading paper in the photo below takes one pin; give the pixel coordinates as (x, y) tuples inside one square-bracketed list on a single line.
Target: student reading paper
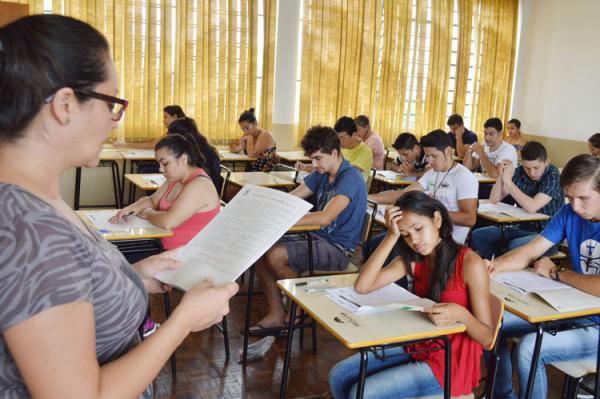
[(578, 223), (444, 271), (341, 204)]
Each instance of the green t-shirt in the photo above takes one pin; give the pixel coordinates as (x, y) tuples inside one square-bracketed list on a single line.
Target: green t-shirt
[(360, 156)]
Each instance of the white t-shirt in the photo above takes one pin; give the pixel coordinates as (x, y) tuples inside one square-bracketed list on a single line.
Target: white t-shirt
[(449, 187), (505, 151)]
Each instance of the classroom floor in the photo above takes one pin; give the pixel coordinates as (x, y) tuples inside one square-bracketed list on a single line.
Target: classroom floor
[(204, 372)]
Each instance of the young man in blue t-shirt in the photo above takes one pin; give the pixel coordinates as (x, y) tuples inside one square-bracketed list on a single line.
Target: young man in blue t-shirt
[(579, 223), (340, 208), (535, 187)]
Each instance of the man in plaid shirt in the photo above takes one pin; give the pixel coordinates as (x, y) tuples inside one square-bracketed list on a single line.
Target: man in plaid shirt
[(535, 187)]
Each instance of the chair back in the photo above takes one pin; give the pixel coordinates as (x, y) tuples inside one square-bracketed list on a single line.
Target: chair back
[(370, 179), (285, 172), (497, 307), (225, 174)]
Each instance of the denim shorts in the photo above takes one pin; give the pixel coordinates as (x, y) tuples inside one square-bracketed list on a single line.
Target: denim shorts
[(326, 255)]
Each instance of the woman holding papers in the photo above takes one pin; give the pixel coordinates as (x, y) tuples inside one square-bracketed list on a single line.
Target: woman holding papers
[(70, 303), (448, 273), (188, 200)]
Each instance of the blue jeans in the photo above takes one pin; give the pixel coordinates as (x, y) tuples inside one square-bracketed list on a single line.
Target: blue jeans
[(490, 240), (398, 376), (565, 345)]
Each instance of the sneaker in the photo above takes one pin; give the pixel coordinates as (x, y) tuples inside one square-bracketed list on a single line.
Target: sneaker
[(149, 327)]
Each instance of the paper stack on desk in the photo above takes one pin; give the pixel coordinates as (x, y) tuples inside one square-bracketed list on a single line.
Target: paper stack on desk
[(385, 299), (561, 297), (242, 232)]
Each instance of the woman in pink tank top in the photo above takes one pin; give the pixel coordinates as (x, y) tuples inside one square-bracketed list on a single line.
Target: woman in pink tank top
[(187, 201), (447, 273)]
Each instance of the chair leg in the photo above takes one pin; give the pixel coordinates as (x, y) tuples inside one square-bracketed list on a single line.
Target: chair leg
[(225, 337), (167, 303)]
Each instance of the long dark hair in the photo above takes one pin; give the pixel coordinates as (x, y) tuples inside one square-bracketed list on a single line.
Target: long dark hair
[(422, 204), (187, 127), (41, 54), (178, 145)]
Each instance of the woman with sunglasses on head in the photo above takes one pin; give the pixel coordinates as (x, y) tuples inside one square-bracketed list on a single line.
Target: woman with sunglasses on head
[(71, 304), (448, 273)]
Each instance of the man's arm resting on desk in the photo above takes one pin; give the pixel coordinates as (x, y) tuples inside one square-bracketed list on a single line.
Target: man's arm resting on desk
[(467, 215), (325, 217), (521, 257), (530, 204), (584, 282)]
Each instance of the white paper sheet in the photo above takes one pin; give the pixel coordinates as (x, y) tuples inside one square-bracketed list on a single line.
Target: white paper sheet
[(100, 221), (526, 281), (391, 175), (157, 179), (242, 232), (560, 296), (508, 210), (385, 299)]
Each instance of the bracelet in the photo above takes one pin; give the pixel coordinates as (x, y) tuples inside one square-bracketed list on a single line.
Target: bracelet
[(555, 272)]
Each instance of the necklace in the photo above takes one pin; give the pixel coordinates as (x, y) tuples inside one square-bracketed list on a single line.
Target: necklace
[(436, 186)]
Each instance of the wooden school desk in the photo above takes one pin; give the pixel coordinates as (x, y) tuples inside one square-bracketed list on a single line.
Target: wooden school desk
[(143, 181), (233, 157), (263, 179), (390, 179), (533, 309), (133, 156), (131, 234), (362, 331), (108, 157), (503, 218), (293, 156), (484, 179)]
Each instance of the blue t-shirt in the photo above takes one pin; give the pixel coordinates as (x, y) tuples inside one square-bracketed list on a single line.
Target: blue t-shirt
[(468, 138), (345, 230), (582, 235)]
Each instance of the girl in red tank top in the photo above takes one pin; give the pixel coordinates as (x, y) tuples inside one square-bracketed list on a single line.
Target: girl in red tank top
[(448, 273), (187, 201)]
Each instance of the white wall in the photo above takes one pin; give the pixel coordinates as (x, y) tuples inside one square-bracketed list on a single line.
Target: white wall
[(557, 81)]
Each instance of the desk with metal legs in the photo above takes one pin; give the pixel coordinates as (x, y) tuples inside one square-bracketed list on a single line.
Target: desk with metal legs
[(533, 309), (365, 331)]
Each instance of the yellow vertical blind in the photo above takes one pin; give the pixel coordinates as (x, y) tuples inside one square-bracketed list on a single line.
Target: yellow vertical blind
[(409, 88), (199, 54), (340, 52)]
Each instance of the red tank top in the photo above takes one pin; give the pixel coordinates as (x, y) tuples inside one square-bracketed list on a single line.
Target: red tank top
[(466, 352), (188, 229)]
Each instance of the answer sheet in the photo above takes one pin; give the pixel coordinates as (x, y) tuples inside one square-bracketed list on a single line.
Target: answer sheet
[(242, 232), (390, 297), (100, 221)]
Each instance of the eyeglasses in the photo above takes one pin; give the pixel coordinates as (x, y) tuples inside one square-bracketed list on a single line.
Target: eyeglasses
[(116, 106)]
